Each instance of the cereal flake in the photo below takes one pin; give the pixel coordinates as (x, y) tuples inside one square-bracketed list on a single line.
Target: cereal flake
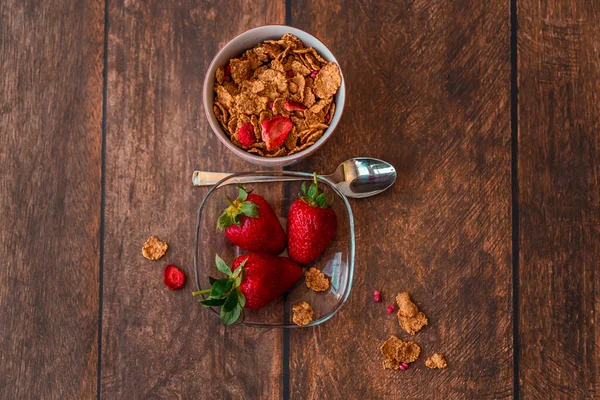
[(436, 361), (316, 280), (154, 249), (302, 313)]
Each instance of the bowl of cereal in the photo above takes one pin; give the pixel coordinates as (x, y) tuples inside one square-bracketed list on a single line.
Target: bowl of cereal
[(273, 95)]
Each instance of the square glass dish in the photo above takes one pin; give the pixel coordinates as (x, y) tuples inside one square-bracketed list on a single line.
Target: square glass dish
[(280, 189)]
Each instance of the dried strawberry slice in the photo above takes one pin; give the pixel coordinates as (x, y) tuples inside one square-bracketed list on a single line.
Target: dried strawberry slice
[(173, 277), (275, 130), (246, 135), (294, 106)]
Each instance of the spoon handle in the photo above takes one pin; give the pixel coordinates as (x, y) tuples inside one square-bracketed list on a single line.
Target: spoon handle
[(205, 178)]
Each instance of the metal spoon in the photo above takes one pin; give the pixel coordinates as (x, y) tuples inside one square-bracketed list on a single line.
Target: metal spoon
[(357, 177)]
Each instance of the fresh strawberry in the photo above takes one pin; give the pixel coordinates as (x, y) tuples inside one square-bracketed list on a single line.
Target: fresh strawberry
[(275, 130), (251, 224), (290, 272), (254, 281), (246, 135), (311, 224), (294, 106)]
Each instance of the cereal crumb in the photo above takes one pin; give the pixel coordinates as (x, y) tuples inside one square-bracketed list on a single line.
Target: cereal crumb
[(436, 361), (316, 280), (390, 364), (154, 249), (409, 316), (399, 351), (302, 313)]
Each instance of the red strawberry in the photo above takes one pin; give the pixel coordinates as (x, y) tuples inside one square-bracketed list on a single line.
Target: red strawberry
[(173, 277), (294, 106), (262, 280), (290, 272), (246, 135), (254, 281), (311, 225), (275, 130), (251, 224)]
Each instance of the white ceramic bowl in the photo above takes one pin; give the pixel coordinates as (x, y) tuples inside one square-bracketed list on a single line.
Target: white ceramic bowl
[(235, 48)]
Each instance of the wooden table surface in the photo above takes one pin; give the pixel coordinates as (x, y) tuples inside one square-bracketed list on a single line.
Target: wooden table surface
[(489, 110)]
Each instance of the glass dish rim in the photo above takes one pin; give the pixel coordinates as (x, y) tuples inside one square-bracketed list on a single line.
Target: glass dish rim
[(300, 176)]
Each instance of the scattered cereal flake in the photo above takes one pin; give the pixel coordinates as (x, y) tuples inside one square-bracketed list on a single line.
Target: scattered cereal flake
[(248, 103), (400, 351), (300, 68), (223, 96), (302, 313), (316, 280), (279, 108), (220, 75), (257, 128), (253, 58), (312, 62), (300, 148), (240, 70), (320, 106), (315, 136), (436, 361), (256, 151), (328, 81), (154, 249), (291, 140), (309, 96), (409, 316), (280, 152), (407, 307), (276, 78), (388, 363), (414, 324)]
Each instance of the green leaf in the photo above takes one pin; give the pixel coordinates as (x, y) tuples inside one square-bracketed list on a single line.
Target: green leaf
[(222, 265), (229, 317), (224, 221), (321, 200), (242, 194), (220, 288), (312, 191), (303, 188), (241, 299), (212, 302), (232, 301), (242, 315), (211, 280), (249, 209)]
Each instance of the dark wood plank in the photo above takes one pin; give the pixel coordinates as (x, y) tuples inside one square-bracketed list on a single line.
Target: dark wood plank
[(50, 189), (428, 90), (559, 202), (158, 343)]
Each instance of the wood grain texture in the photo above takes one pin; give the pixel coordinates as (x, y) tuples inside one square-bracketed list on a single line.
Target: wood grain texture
[(428, 86), (158, 343), (50, 189), (559, 183)]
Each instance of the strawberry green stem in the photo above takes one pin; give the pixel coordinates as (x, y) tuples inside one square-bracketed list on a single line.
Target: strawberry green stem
[(200, 292)]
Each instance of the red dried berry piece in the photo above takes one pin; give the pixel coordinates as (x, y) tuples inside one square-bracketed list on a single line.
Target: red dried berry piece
[(290, 73), (326, 119), (227, 78), (275, 130), (403, 366), (294, 106), (391, 309), (173, 277), (228, 70), (376, 293), (313, 74), (246, 135), (270, 105)]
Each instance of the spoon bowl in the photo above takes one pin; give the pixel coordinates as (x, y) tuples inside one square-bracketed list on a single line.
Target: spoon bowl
[(357, 177)]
